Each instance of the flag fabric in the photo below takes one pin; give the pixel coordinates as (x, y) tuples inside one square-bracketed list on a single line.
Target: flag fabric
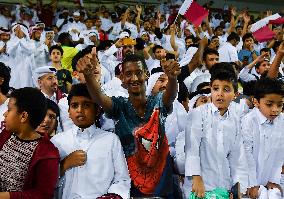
[(277, 21), (194, 12), (260, 29), (264, 34)]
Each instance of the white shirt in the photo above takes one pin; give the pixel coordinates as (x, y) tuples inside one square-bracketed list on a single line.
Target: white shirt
[(264, 145), (5, 22), (214, 149), (228, 53), (105, 170), (152, 63), (246, 76)]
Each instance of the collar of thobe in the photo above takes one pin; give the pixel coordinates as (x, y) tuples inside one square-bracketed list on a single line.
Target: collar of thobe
[(217, 112), (262, 119), (53, 97), (87, 133)]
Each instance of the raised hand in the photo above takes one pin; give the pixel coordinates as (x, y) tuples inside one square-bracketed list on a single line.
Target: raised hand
[(138, 8), (171, 68), (88, 63)]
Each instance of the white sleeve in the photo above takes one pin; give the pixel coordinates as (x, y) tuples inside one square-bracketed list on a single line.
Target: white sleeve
[(193, 135), (180, 154), (12, 45), (238, 163), (233, 55), (248, 138), (121, 180), (245, 75)]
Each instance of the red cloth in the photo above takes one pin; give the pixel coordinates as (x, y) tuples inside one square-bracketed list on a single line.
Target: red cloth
[(264, 34), (146, 167), (42, 172), (196, 13), (277, 21)]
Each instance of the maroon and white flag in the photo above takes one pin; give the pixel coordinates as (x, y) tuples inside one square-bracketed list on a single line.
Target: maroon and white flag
[(260, 29), (194, 12)]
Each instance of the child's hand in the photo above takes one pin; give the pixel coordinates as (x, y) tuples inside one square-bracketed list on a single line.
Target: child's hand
[(198, 186), (271, 185), (75, 159), (253, 192)]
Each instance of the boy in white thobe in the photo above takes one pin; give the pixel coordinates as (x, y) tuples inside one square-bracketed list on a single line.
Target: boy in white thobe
[(262, 130), (92, 160)]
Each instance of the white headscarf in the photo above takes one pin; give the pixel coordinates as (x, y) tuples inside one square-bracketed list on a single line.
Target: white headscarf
[(22, 27), (152, 81)]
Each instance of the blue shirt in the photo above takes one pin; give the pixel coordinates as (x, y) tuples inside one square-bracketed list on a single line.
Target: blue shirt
[(247, 53), (126, 118)]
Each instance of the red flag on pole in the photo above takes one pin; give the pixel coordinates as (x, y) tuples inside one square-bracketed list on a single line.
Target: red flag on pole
[(194, 12)]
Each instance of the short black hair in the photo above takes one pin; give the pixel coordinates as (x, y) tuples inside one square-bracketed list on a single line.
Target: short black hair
[(32, 101), (225, 72), (266, 86), (51, 105), (248, 88), (81, 54), (133, 58), (233, 36), (57, 47), (156, 47), (5, 72), (246, 36), (78, 90), (265, 50), (260, 62), (209, 51)]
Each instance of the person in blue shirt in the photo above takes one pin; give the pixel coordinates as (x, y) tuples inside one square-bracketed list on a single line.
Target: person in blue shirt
[(248, 53)]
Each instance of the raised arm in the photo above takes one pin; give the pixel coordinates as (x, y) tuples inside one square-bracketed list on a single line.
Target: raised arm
[(274, 68), (172, 70), (197, 57), (87, 65)]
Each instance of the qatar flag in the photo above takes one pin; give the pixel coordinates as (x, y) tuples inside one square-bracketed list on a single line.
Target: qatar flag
[(260, 29), (194, 12)]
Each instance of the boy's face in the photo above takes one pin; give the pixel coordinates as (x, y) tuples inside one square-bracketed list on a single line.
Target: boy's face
[(202, 100), (12, 117), (270, 105), (82, 111), (160, 85), (133, 77), (55, 56), (263, 67), (222, 93), (49, 124), (160, 54), (248, 43)]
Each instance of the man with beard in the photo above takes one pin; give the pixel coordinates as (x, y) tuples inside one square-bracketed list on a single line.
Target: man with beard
[(48, 84), (4, 38)]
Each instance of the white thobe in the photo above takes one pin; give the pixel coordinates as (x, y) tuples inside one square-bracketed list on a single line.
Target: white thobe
[(21, 62), (264, 145), (105, 170), (214, 149), (228, 53)]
